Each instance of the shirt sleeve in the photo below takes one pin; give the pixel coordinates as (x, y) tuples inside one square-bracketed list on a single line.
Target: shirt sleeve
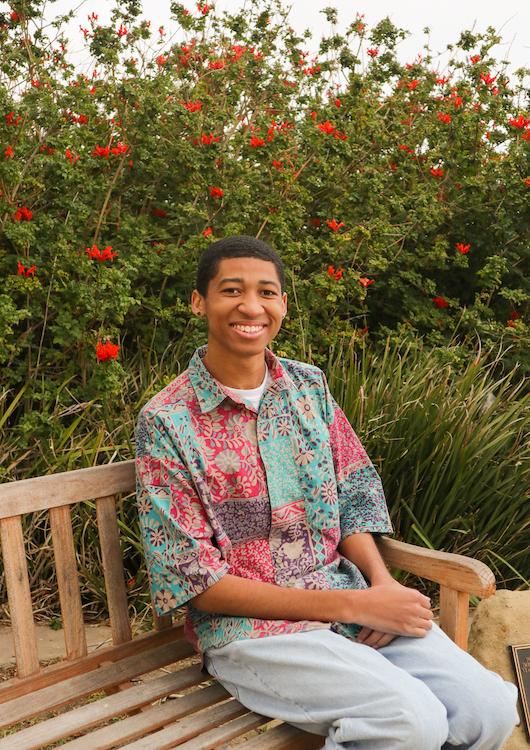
[(181, 560), (362, 504)]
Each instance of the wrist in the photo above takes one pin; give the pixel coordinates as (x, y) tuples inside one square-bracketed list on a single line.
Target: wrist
[(381, 577), (351, 605)]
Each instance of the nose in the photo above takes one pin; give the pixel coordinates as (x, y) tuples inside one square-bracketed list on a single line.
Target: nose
[(251, 305)]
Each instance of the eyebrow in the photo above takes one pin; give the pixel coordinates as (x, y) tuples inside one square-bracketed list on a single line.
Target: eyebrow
[(238, 280)]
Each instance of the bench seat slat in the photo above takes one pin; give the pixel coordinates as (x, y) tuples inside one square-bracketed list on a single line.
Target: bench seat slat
[(236, 728), (148, 721), (189, 727), (85, 717), (54, 673), (284, 737), (19, 596), (105, 677), (68, 582)]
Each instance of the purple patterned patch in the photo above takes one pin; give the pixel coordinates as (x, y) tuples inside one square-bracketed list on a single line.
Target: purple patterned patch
[(244, 518), (292, 552)]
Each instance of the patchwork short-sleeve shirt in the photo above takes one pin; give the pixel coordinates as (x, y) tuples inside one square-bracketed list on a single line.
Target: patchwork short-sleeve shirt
[(266, 494)]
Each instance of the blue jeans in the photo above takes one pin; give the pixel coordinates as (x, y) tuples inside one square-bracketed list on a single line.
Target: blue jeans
[(413, 694)]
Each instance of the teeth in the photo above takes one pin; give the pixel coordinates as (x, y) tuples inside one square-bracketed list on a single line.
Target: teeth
[(248, 329)]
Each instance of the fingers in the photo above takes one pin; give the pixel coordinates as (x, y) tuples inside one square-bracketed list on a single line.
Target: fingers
[(374, 638), (363, 634)]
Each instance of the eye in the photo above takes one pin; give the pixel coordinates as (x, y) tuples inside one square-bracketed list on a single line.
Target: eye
[(268, 292), (230, 290)]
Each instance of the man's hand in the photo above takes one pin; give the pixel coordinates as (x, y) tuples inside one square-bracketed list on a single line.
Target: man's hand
[(391, 609), (374, 638)]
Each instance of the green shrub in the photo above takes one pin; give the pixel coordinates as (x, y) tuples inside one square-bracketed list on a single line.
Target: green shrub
[(366, 175), (452, 445)]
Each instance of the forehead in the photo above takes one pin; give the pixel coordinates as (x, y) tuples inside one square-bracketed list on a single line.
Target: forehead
[(248, 269)]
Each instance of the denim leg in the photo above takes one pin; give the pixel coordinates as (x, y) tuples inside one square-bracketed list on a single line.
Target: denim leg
[(326, 684), (481, 706)]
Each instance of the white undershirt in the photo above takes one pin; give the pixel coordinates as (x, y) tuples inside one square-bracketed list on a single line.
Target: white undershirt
[(251, 396)]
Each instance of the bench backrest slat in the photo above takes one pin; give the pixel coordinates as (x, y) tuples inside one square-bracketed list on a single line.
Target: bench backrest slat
[(19, 596), (109, 537), (68, 582), (65, 488)]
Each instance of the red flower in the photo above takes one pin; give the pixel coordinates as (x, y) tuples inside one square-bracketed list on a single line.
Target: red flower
[(411, 85), (404, 147), (442, 80), (363, 281), (122, 31), (334, 225), (313, 115), (9, 153), (13, 119), (437, 172), (161, 60), (487, 78), (216, 64), (440, 302), (316, 222), (216, 192), (70, 156), (337, 275), (444, 117), (23, 214), (14, 16), (277, 165), (203, 8), (527, 181), (102, 151), (119, 148), (340, 135), (256, 142), (519, 122), (373, 51), (207, 232), (326, 127), (192, 106), (511, 324), (208, 138), (514, 315), (464, 249), (106, 351), (337, 102), (22, 271), (101, 255), (159, 212), (475, 59)]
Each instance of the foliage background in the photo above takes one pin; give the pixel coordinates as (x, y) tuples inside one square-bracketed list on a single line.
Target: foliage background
[(397, 196)]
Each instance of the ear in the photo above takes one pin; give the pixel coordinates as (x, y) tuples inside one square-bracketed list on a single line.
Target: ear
[(197, 303)]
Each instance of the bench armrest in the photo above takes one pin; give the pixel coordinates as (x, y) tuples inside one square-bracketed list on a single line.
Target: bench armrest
[(455, 572)]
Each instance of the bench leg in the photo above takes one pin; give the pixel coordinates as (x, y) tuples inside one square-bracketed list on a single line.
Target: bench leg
[(454, 611)]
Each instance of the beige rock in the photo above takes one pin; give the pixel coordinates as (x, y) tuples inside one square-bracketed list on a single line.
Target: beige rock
[(498, 622)]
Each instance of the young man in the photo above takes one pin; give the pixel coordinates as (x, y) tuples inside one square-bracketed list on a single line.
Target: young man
[(257, 504)]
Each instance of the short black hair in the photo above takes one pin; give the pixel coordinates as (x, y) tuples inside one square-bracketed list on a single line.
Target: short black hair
[(237, 246)]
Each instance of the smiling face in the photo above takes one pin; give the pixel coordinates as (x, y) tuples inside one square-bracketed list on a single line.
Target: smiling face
[(244, 307)]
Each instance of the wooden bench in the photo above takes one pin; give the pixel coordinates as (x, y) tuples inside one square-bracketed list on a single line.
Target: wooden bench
[(179, 706)]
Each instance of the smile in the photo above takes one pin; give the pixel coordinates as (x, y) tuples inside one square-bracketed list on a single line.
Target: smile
[(248, 330)]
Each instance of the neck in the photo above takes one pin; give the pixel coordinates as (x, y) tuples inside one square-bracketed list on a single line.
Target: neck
[(234, 372)]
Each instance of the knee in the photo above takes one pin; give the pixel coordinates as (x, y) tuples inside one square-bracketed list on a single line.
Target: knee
[(488, 717), (422, 730)]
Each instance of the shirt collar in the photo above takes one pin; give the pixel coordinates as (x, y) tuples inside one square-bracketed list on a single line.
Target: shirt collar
[(209, 391)]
